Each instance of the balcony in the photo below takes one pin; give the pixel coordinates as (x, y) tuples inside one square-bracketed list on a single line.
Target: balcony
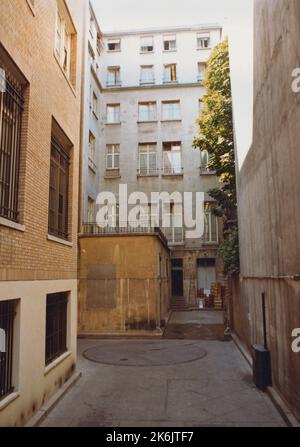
[(93, 229), (148, 172), (112, 173), (172, 170)]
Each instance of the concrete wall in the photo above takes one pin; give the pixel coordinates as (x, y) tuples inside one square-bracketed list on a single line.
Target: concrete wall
[(32, 264), (268, 189), (124, 284)]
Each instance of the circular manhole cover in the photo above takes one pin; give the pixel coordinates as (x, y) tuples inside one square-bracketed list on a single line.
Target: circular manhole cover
[(139, 353)]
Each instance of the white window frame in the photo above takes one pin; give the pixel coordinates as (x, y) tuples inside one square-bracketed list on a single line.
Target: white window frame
[(201, 71), (150, 112), (116, 114), (201, 39), (95, 103), (115, 72), (149, 150), (114, 155), (171, 114), (170, 153), (151, 78), (144, 49), (167, 77), (63, 40), (91, 208), (208, 234), (116, 42), (92, 152), (169, 38)]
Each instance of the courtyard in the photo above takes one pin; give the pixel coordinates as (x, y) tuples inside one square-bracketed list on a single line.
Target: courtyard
[(192, 377)]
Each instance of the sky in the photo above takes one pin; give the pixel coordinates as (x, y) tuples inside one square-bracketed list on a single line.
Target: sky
[(235, 16)]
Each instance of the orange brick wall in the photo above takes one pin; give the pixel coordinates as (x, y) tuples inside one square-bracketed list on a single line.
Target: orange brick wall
[(29, 40)]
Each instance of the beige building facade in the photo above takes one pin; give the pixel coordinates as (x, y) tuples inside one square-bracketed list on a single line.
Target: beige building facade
[(39, 158), (151, 96)]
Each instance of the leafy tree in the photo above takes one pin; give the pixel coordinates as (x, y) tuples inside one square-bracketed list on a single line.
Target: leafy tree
[(216, 137)]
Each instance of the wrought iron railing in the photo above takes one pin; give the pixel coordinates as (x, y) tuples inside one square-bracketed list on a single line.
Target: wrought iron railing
[(11, 108)]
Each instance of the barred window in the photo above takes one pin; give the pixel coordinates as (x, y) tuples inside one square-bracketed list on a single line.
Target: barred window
[(11, 108), (59, 188), (56, 325), (7, 316)]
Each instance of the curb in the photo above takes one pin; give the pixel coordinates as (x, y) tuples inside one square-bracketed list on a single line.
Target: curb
[(44, 411)]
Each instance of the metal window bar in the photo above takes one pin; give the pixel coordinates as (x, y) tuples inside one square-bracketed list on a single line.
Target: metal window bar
[(58, 191), (11, 108), (56, 326), (7, 316)]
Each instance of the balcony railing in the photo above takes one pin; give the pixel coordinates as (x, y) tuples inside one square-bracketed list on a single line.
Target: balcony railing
[(147, 172), (94, 229), (112, 173), (172, 171)]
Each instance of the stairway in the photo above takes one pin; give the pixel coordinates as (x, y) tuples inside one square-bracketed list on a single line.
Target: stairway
[(178, 303)]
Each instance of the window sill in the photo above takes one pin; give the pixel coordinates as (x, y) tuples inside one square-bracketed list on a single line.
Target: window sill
[(59, 241), (64, 74), (113, 124), (113, 85), (11, 224), (146, 52), (57, 362), (8, 400), (208, 173), (170, 51), (173, 174), (147, 175), (172, 121), (203, 49), (31, 7), (170, 82), (146, 122), (143, 83), (114, 51)]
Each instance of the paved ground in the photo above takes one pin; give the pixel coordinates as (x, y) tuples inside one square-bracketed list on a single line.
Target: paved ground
[(164, 383)]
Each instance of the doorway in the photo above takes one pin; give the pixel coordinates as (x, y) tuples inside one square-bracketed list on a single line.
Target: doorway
[(177, 277), (206, 274)]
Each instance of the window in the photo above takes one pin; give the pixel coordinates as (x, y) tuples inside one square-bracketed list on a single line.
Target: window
[(172, 158), (92, 26), (147, 159), (147, 44), (147, 111), (113, 114), (147, 74), (99, 43), (91, 210), (7, 316), (204, 168), (59, 184), (201, 71), (113, 76), (112, 156), (170, 43), (92, 152), (56, 326), (210, 225), (114, 45), (11, 109), (203, 41), (173, 228), (171, 110), (95, 104), (170, 74), (65, 33)]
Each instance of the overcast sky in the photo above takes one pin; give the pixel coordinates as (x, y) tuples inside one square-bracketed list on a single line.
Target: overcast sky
[(234, 15)]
